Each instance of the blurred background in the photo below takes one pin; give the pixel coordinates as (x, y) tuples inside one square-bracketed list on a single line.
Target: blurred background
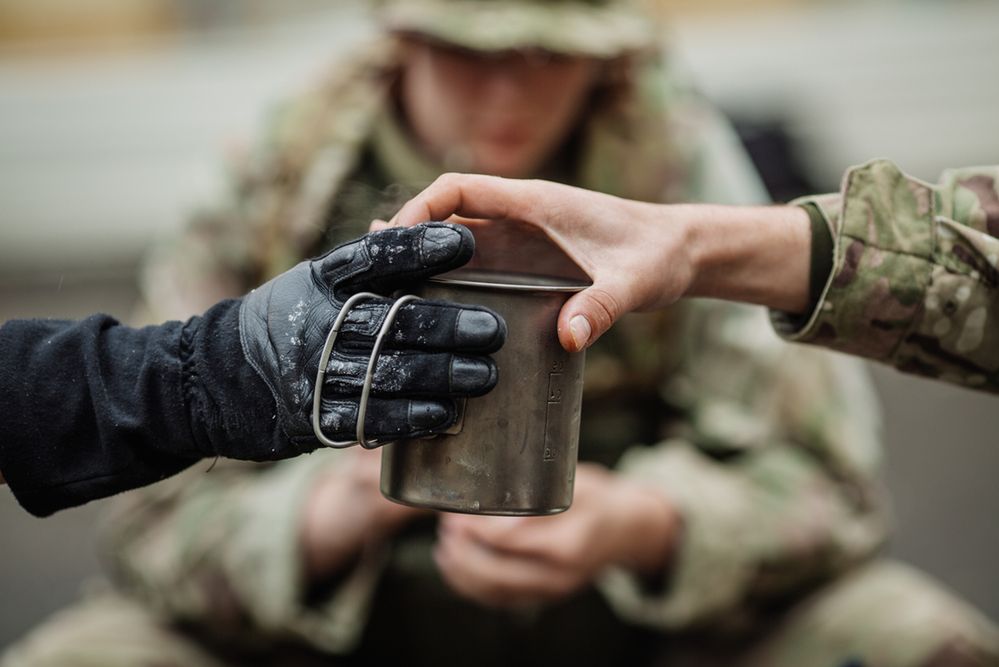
[(115, 115)]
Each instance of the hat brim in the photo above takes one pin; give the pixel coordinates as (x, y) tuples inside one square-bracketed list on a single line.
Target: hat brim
[(563, 28)]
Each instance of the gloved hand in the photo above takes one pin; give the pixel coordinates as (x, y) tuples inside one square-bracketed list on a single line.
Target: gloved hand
[(434, 353), (93, 408)]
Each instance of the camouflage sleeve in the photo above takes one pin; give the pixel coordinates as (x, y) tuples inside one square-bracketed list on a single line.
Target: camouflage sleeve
[(915, 278), (774, 474), (221, 549)]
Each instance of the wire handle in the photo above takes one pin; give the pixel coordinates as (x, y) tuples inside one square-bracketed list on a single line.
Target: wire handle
[(324, 358)]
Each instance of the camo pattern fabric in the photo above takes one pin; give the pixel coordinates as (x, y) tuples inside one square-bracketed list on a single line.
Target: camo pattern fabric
[(915, 281), (597, 28)]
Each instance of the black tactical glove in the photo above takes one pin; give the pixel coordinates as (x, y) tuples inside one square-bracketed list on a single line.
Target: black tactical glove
[(434, 352), (92, 408)]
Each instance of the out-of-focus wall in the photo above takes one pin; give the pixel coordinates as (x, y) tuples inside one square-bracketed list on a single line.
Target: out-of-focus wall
[(104, 147), (105, 150), (62, 20), (92, 22), (904, 79)]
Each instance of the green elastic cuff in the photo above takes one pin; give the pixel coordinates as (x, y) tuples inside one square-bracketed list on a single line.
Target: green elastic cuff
[(822, 255), (820, 268)]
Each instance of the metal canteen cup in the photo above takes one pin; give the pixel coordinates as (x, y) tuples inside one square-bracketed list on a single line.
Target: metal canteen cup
[(516, 450)]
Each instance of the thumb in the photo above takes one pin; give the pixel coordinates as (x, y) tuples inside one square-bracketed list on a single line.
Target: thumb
[(382, 261), (587, 315)]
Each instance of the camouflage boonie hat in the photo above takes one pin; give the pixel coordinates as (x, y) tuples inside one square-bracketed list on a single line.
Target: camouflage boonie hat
[(597, 28)]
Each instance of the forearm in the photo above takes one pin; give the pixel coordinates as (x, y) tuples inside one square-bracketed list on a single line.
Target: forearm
[(75, 427), (757, 255), (94, 408)]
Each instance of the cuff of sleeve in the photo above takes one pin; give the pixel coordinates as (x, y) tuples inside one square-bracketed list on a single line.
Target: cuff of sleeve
[(219, 384), (276, 580), (337, 625), (708, 575), (881, 264), (820, 264)]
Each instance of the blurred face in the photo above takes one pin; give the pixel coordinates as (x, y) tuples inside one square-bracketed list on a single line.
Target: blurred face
[(501, 114)]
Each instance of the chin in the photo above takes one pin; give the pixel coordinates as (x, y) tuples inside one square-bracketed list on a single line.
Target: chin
[(509, 160), (508, 167)]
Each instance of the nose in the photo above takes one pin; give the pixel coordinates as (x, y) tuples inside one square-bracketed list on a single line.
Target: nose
[(503, 83)]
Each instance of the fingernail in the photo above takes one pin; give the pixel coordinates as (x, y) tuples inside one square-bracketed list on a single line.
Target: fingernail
[(440, 244), (579, 329), (428, 414), (469, 375), (476, 329)]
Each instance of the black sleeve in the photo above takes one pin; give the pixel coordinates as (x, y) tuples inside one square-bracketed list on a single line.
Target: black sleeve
[(93, 408)]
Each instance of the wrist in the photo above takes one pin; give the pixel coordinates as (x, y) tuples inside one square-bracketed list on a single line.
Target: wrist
[(754, 254), (231, 408), (672, 237)]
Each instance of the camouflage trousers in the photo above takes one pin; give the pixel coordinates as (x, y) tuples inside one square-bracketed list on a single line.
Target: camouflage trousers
[(883, 614)]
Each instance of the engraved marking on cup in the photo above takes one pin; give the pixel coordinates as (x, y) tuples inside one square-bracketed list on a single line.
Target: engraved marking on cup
[(554, 424)]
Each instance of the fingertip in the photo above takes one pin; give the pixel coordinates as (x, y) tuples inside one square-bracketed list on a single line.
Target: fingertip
[(580, 331), (588, 314), (565, 339), (426, 415), (575, 333), (480, 329), (454, 223), (445, 245), (466, 246)]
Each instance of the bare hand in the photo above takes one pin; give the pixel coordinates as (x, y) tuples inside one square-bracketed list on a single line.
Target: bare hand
[(591, 228), (639, 256), (516, 561)]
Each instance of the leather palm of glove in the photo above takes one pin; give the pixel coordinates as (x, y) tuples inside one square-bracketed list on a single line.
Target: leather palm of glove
[(435, 352)]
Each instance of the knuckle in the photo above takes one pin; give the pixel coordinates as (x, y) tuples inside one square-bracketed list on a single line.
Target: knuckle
[(447, 180), (606, 307)]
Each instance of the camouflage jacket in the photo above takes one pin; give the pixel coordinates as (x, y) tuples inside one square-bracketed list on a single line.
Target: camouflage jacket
[(915, 279), (770, 451)]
